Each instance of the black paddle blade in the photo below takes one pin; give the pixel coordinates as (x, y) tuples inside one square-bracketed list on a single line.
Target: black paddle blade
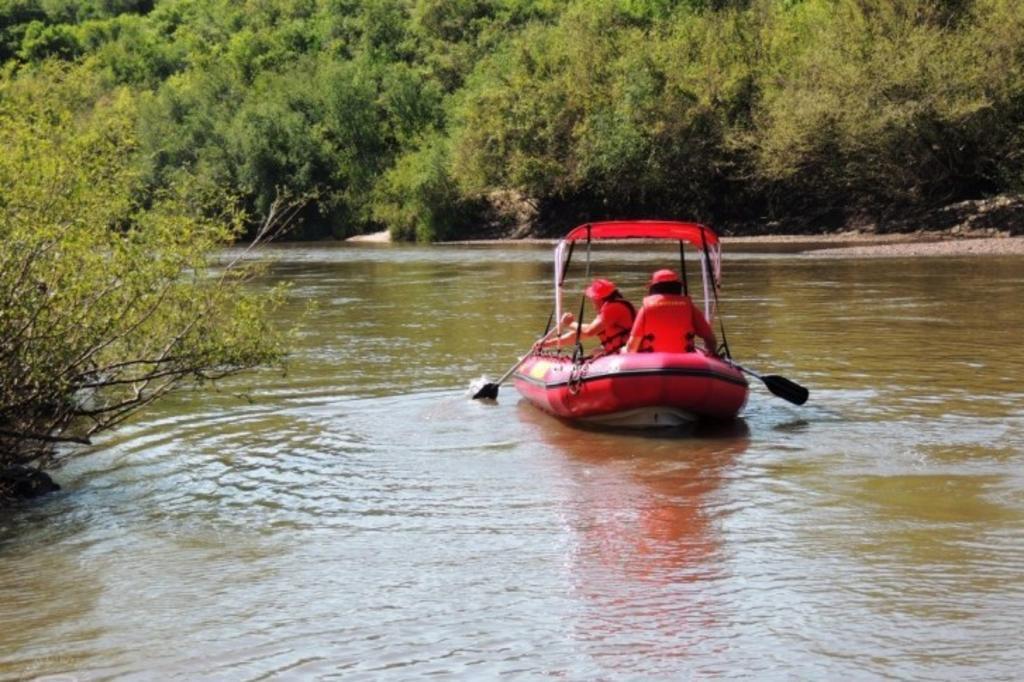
[(786, 389), (488, 392)]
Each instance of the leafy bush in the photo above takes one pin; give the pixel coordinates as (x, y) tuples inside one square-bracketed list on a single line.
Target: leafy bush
[(870, 103), (106, 303), (419, 201), (746, 109)]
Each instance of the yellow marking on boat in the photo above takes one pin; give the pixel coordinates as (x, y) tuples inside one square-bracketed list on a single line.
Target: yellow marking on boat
[(539, 370)]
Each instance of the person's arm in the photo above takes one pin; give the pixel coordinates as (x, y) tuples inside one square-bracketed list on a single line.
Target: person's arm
[(588, 330), (594, 328), (704, 331), (636, 334)]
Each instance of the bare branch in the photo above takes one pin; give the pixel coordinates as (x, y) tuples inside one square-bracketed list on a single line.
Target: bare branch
[(45, 438)]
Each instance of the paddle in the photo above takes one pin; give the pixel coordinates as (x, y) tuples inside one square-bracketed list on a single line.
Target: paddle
[(780, 386), (490, 391)]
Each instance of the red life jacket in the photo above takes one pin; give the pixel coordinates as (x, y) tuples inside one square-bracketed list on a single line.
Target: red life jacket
[(617, 323), (666, 324)]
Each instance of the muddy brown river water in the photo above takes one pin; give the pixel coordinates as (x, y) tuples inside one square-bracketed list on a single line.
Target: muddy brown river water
[(358, 517)]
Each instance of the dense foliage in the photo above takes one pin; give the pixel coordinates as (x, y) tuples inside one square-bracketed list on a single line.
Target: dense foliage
[(108, 298), (418, 114)]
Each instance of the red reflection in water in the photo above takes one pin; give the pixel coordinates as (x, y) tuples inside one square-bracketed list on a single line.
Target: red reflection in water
[(645, 513)]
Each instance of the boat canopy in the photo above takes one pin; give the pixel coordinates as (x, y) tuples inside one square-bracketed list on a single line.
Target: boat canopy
[(694, 233), (701, 236)]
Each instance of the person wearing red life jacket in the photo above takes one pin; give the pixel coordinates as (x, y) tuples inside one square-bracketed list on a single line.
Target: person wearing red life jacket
[(669, 321), (614, 320)]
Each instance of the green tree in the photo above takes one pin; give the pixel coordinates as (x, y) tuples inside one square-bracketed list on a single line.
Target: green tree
[(106, 303), (875, 103), (804, 110), (419, 200)]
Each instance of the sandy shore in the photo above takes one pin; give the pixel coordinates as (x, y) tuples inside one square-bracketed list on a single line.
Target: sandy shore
[(382, 237), (857, 244), (984, 246), (845, 244), (838, 239), (914, 244)]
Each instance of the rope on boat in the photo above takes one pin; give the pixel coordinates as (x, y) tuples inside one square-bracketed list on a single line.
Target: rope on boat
[(577, 375)]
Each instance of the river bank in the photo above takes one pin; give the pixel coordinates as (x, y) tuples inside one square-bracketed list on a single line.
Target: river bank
[(993, 226), (987, 242), (916, 244), (978, 246)]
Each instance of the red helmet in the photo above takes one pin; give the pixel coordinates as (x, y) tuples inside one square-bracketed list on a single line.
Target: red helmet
[(599, 290), (664, 276)]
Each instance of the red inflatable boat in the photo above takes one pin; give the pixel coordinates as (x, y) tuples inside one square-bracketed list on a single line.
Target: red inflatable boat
[(636, 389)]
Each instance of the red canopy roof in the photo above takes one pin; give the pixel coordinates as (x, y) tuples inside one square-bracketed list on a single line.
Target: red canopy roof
[(695, 233)]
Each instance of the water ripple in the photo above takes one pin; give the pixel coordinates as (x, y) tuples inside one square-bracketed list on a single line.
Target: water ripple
[(358, 517)]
